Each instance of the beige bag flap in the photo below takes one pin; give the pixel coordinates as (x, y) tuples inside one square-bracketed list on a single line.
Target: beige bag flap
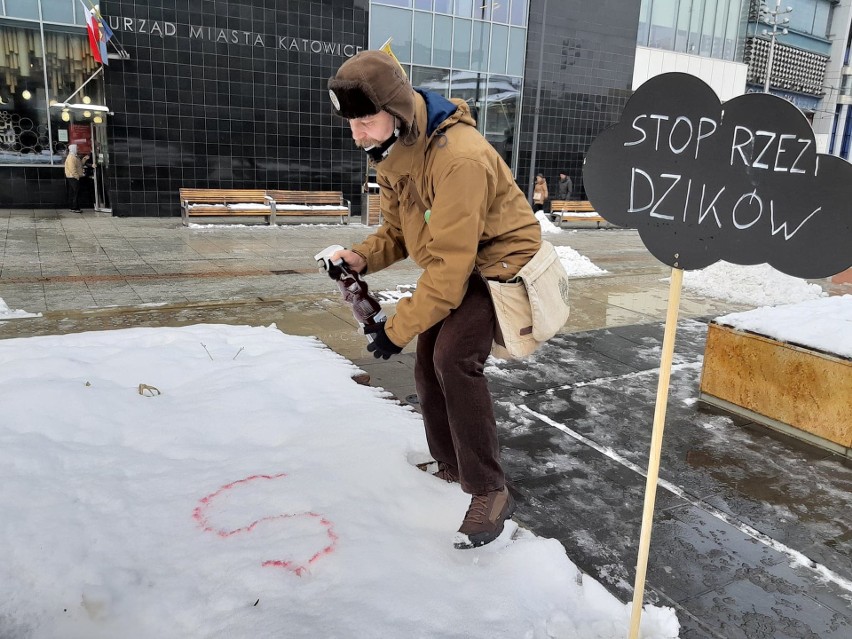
[(514, 319), (547, 286)]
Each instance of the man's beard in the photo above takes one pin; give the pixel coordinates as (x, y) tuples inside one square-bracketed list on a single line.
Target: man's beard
[(366, 143)]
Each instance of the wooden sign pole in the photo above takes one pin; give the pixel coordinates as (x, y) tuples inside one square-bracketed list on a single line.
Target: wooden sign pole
[(656, 447)]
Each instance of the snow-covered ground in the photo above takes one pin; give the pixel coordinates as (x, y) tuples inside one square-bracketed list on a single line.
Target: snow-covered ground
[(224, 481), (215, 481)]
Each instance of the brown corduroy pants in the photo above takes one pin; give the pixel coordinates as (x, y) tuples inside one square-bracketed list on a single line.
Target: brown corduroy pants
[(454, 398)]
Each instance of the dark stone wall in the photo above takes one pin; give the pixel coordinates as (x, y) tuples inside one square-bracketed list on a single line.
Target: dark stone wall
[(38, 187), (586, 78), (228, 94)]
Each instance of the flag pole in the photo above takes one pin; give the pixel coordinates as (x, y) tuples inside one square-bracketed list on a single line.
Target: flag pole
[(92, 77), (656, 447)]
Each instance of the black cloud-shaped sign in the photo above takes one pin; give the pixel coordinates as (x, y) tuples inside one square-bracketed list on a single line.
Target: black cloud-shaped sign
[(740, 182)]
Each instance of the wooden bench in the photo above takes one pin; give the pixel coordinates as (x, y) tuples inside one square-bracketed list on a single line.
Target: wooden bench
[(226, 202), (374, 211), (575, 211), (311, 203)]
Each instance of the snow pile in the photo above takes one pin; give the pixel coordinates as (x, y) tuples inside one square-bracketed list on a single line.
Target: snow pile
[(824, 324), (546, 225), (577, 265), (758, 285), (249, 489), (7, 313), (392, 297)]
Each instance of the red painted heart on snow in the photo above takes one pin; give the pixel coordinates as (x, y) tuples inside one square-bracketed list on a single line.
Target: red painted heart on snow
[(202, 516)]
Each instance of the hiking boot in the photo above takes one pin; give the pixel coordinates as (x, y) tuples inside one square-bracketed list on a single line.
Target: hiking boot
[(484, 520), (441, 471)]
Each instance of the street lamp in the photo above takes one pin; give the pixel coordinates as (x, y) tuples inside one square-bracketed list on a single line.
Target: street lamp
[(771, 17)]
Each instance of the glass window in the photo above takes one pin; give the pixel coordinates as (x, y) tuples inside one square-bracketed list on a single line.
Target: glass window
[(482, 9), (500, 11), (481, 43), (708, 24), (682, 34), (425, 5), (642, 35), (396, 3), (442, 49), (431, 79), (518, 13), (822, 19), (461, 43), (443, 6), (694, 38), (732, 29), (22, 9), (663, 16), (58, 11), (470, 87), (464, 8), (501, 111), (24, 119), (31, 132), (517, 50), (69, 65), (802, 17), (499, 48), (422, 53), (387, 22), (719, 28)]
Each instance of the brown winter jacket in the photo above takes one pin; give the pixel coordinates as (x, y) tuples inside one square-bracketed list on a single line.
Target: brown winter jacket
[(451, 204)]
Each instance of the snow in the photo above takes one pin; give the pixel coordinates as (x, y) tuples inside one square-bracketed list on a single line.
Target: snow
[(822, 324), (393, 296), (758, 285), (546, 225), (577, 265), (253, 490), (7, 313)]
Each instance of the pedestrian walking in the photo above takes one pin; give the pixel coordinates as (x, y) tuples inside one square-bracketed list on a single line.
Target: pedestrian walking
[(539, 193)]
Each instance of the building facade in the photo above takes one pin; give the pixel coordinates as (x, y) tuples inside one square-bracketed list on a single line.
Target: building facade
[(231, 93), (704, 38), (836, 126)]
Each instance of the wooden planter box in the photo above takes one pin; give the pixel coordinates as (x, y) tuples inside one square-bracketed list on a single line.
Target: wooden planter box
[(798, 391)]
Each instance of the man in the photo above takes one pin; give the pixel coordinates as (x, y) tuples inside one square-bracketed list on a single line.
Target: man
[(449, 203), (73, 173), (564, 187)]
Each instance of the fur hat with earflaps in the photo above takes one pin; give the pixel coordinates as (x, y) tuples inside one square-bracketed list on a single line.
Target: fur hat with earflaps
[(372, 81)]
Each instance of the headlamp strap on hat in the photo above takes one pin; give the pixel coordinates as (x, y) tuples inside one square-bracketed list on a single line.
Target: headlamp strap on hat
[(380, 152)]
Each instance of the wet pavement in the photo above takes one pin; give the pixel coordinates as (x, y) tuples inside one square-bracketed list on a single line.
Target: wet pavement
[(753, 532)]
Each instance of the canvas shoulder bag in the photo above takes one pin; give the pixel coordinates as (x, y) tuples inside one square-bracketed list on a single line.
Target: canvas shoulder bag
[(532, 306)]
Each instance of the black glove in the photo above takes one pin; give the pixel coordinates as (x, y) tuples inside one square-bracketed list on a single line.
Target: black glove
[(335, 271), (381, 346)]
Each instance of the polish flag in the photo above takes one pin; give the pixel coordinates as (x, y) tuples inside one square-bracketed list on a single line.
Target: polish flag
[(93, 28)]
